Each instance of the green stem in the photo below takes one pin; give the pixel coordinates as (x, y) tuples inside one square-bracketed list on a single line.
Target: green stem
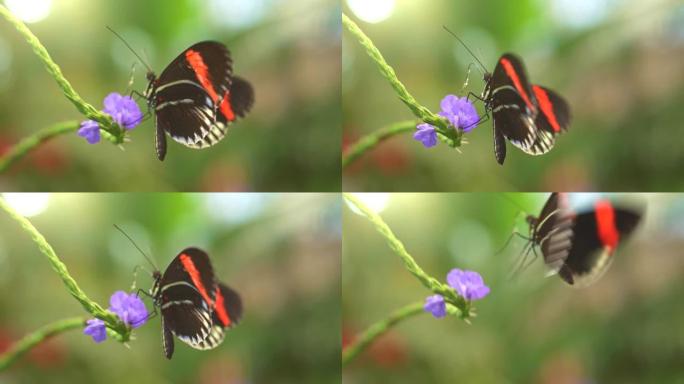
[(450, 135), (113, 322), (371, 140), (398, 247), (31, 142), (116, 133), (29, 341), (374, 331)]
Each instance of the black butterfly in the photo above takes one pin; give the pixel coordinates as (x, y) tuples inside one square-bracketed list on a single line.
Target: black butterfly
[(194, 306), (197, 96), (529, 116), (580, 246)]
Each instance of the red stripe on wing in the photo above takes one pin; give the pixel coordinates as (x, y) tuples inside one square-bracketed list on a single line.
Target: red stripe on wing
[(510, 71), (546, 107), (202, 71), (605, 223), (189, 266), (220, 309)]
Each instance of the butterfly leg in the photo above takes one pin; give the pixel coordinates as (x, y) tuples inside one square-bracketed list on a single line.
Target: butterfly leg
[(144, 292), (510, 238), (465, 84), (137, 94), (135, 277), (481, 120), (131, 78), (522, 262), (475, 96)]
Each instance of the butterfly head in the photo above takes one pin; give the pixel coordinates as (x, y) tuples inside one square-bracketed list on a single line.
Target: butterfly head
[(531, 221), (151, 77)]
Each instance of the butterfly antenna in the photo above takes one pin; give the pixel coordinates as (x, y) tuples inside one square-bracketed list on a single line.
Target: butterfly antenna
[(131, 48), (149, 260), (466, 47)]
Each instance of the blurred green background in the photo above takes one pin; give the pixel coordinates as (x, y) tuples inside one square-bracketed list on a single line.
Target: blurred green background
[(628, 327), (289, 51), (618, 62), (281, 252)]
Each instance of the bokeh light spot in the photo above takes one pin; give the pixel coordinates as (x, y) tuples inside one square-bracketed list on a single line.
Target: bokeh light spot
[(27, 204), (372, 11), (376, 202), (243, 14), (581, 14), (30, 11)]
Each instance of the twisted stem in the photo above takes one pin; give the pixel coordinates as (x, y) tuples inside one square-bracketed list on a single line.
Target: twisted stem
[(397, 246), (31, 142), (362, 341), (388, 72), (112, 321), (115, 133), (371, 140), (29, 341), (446, 132)]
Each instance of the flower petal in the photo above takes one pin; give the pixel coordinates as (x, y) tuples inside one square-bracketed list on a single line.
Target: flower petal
[(123, 109), (426, 134), (468, 284), (90, 130), (96, 329), (129, 307), (460, 112), (435, 304)]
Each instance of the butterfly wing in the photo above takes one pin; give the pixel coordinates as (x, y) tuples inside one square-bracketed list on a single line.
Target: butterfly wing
[(554, 111), (227, 314), (499, 144), (167, 339), (188, 292), (590, 257), (553, 232)]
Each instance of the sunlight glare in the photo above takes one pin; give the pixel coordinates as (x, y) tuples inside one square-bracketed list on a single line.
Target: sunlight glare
[(27, 204), (30, 11), (372, 11), (377, 202)]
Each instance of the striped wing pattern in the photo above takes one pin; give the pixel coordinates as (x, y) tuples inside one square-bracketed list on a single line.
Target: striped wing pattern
[(588, 258), (554, 230)]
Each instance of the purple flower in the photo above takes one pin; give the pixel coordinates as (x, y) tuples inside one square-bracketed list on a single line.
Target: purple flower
[(426, 134), (90, 130), (435, 304), (459, 111), (130, 309), (96, 329), (468, 284), (123, 110)]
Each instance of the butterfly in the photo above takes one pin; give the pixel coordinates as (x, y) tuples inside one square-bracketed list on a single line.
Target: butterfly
[(529, 116), (580, 247), (197, 96), (195, 307)]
